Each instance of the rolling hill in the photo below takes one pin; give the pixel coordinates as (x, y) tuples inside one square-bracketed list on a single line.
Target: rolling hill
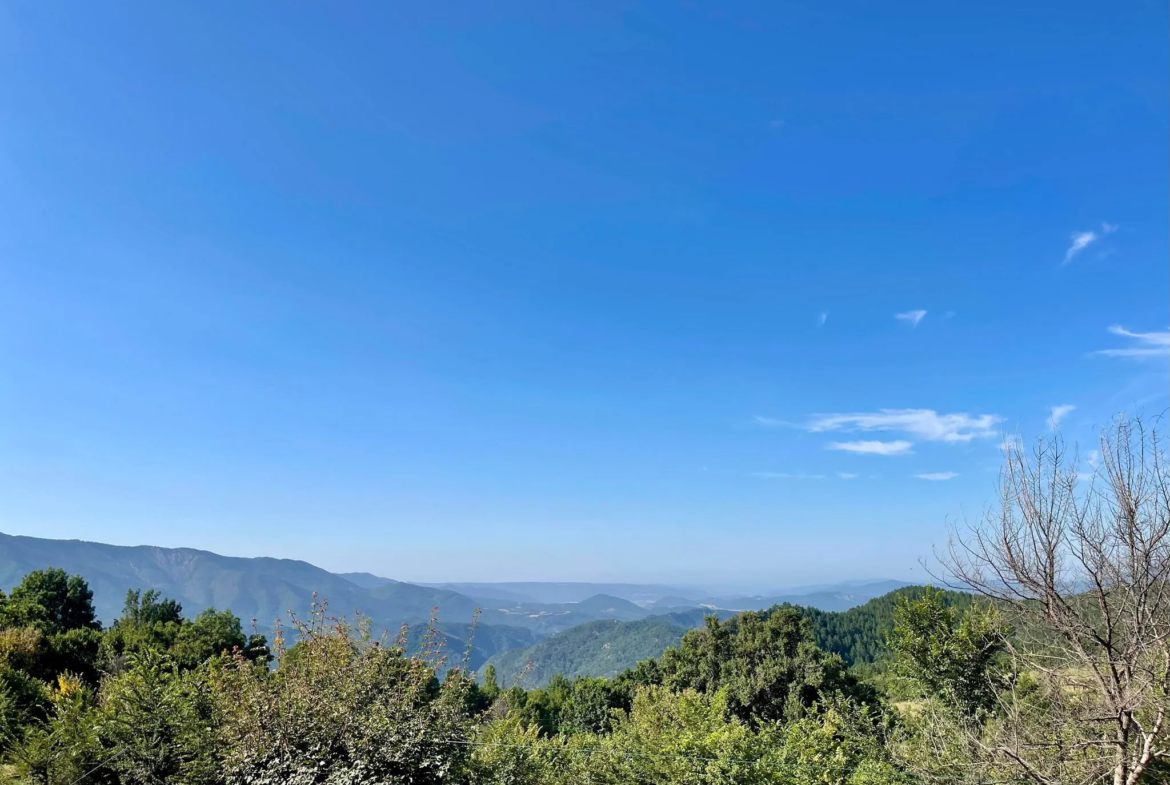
[(566, 592), (607, 648), (598, 648)]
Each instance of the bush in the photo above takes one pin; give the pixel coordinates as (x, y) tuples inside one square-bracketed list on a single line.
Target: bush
[(340, 708)]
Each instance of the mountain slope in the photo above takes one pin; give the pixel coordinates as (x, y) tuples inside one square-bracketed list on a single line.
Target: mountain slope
[(252, 588), (599, 648), (260, 588), (609, 607), (365, 580), (606, 648), (264, 588)]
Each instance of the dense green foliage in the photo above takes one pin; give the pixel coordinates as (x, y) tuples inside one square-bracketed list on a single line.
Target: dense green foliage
[(950, 654), (158, 698), (859, 634), (605, 649), (767, 664)]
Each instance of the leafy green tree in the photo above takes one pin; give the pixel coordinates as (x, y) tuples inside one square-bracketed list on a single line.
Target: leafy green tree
[(952, 654), (490, 688), (767, 663), (25, 702), (64, 749), (209, 634), (150, 608), (838, 742), (147, 623), (589, 708), (507, 752), (73, 652), (152, 622), (342, 709), (668, 738), (50, 600), (544, 707), (647, 673), (157, 719)]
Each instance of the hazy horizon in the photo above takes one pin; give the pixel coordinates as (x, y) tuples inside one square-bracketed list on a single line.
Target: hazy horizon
[(711, 587)]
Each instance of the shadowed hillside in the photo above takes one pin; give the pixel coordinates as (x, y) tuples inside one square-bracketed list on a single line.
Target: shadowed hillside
[(606, 648)]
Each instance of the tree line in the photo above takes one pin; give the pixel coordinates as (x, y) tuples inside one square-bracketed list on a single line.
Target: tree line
[(1053, 668)]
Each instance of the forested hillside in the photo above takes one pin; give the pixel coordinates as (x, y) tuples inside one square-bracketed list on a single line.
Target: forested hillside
[(858, 635), (599, 648)]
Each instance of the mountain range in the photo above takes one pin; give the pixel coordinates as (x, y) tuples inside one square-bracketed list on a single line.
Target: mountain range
[(510, 616)]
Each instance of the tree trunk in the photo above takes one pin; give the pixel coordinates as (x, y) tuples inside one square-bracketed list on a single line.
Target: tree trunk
[(1121, 772)]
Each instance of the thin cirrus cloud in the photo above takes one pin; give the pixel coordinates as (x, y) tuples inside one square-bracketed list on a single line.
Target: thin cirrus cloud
[(1155, 344), (1058, 413), (772, 422), (787, 476), (925, 424), (846, 476), (911, 317), (898, 447), (1082, 240), (937, 476), (1012, 443)]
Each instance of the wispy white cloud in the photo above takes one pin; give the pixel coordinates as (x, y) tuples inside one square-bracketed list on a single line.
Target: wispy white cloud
[(1058, 413), (1082, 240), (873, 447), (824, 315), (911, 317), (772, 422), (1011, 443), (926, 424), (846, 476), (937, 476), (787, 476), (1156, 344)]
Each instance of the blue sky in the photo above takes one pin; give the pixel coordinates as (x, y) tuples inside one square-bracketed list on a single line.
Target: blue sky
[(646, 291)]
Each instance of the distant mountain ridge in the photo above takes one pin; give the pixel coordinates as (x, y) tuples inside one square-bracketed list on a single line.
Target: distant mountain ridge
[(261, 589), (365, 580), (254, 588), (564, 592), (511, 615), (838, 597)]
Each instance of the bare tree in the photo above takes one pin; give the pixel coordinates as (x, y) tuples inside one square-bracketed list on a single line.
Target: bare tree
[(1080, 564)]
